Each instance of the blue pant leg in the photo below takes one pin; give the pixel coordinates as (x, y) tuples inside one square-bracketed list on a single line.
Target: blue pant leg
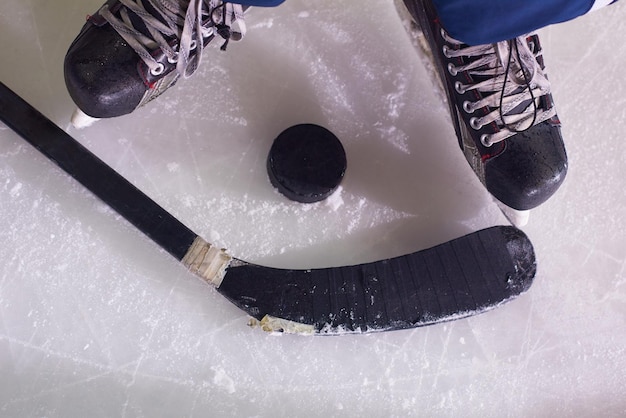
[(477, 22), (261, 3)]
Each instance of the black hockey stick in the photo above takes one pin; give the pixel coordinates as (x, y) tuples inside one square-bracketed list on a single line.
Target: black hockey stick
[(459, 278)]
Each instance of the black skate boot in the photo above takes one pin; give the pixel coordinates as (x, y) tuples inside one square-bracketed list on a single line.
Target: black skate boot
[(131, 51), (502, 111)]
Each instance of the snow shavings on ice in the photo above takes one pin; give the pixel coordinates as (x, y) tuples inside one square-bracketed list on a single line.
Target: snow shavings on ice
[(95, 317), (262, 238)]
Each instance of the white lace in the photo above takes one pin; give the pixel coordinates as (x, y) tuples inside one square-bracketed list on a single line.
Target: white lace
[(513, 88), (190, 22)]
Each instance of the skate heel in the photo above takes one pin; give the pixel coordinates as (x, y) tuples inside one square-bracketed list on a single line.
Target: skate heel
[(81, 120)]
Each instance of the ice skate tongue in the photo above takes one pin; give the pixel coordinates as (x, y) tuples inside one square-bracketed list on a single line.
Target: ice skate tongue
[(119, 10), (516, 56), (139, 23)]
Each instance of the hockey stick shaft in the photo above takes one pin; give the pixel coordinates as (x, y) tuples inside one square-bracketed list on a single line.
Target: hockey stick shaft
[(113, 189)]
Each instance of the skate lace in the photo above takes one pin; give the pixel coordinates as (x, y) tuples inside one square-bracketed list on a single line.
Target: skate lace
[(181, 29), (511, 83)]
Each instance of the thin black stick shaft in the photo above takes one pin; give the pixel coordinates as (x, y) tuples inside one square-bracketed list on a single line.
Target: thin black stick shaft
[(108, 185)]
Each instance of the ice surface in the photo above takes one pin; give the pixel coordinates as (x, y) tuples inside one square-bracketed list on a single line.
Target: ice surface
[(96, 321)]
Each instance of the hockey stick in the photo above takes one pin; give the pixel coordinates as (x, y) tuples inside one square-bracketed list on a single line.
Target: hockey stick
[(459, 278)]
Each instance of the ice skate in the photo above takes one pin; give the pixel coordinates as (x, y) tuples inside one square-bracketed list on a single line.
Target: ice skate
[(501, 108), (131, 51)]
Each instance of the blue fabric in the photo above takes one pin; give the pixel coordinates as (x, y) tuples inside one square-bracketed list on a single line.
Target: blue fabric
[(477, 22), (262, 3)]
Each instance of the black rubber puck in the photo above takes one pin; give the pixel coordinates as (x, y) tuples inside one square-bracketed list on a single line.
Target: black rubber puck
[(306, 163)]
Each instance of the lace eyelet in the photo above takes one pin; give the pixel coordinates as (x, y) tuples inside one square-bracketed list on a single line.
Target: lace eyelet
[(468, 107), (484, 139), (158, 70), (442, 32), (452, 69), (193, 45), (446, 51), (458, 86), (172, 60), (475, 124)]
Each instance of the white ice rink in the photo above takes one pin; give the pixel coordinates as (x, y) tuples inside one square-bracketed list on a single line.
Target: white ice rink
[(97, 321)]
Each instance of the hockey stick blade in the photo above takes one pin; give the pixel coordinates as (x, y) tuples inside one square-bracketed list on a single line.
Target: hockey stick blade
[(459, 278), (462, 277)]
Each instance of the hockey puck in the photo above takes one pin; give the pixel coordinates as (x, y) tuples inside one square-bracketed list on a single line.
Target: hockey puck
[(306, 163)]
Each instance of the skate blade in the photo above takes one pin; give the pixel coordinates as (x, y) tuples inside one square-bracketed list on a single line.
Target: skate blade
[(81, 120), (519, 218)]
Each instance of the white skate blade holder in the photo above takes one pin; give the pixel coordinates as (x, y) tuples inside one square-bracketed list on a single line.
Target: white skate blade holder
[(518, 218), (81, 120)]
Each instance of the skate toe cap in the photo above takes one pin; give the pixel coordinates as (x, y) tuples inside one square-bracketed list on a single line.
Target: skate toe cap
[(530, 170), (101, 73)]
